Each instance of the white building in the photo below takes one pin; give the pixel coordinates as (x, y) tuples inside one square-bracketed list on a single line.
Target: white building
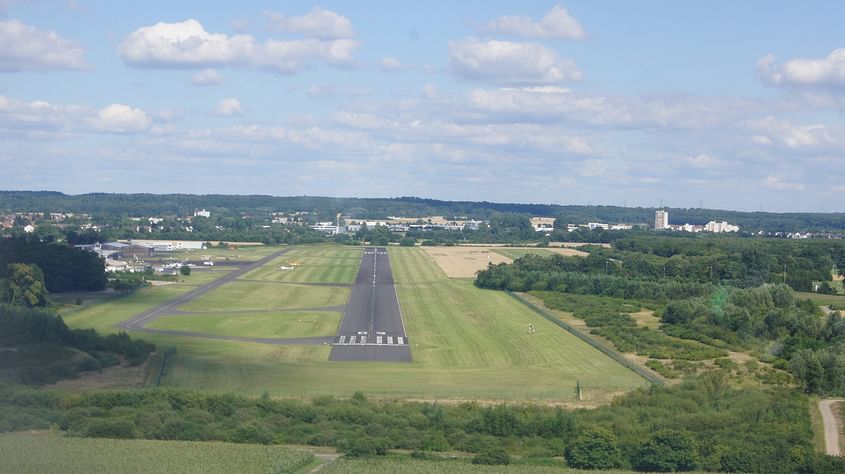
[(723, 226), (327, 227), (543, 224), (170, 245), (202, 213), (29, 229), (661, 219)]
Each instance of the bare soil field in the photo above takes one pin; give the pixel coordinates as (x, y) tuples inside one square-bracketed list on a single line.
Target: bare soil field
[(464, 261)]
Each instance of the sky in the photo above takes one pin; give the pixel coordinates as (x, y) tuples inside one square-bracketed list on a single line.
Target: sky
[(717, 104)]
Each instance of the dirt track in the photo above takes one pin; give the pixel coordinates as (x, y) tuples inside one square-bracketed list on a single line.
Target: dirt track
[(831, 427)]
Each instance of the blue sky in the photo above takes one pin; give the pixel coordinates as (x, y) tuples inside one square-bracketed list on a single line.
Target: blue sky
[(735, 105)]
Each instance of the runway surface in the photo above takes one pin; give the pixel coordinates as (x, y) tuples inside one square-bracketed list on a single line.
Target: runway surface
[(372, 328)]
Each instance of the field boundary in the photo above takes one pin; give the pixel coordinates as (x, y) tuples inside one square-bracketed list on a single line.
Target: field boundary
[(612, 353), (164, 358)]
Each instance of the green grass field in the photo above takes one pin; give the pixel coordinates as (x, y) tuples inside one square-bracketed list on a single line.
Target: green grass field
[(271, 324), (251, 295), (246, 253), (46, 453), (104, 315), (838, 300), (515, 253), (312, 264), (467, 343)]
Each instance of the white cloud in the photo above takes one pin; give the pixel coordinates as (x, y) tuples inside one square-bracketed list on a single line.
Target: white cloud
[(557, 24), (549, 103), (825, 72), (26, 48), (207, 77), (505, 62), (391, 64), (119, 118), (229, 107), (704, 161), (813, 136), (331, 90), (318, 23), (778, 184), (188, 45)]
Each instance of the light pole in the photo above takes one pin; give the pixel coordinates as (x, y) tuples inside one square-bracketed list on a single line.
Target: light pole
[(606, 267)]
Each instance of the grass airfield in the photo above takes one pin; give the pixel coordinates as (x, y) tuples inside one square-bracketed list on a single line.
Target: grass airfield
[(467, 343)]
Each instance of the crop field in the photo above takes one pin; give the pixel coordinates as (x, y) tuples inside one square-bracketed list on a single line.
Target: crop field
[(47, 453), (465, 261), (272, 324), (466, 343)]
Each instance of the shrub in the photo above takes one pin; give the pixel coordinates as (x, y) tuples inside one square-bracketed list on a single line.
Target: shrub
[(492, 456), (595, 448), (667, 451)]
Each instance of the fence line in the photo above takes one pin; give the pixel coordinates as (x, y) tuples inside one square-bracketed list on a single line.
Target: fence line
[(612, 353), (167, 355)]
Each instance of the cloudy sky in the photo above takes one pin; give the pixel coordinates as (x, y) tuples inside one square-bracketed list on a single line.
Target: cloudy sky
[(724, 104)]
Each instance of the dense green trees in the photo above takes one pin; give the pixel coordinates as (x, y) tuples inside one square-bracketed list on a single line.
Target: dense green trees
[(594, 448), (667, 451), (23, 285), (64, 268), (37, 332)]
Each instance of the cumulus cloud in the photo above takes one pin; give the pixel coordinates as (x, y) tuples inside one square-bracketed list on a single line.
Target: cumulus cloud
[(318, 23), (27, 48), (825, 72), (207, 77), (229, 107), (188, 45), (557, 24), (119, 118), (779, 184), (505, 62), (41, 119)]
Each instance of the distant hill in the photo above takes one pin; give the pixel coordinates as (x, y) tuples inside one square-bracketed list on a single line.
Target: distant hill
[(328, 207)]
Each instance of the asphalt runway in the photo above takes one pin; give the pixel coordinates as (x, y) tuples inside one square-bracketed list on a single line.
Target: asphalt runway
[(372, 328)]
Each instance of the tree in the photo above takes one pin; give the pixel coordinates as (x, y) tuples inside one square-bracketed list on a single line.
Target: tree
[(185, 270), (595, 448), (667, 451), (25, 285)]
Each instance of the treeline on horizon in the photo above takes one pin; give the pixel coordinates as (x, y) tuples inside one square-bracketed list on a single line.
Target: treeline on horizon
[(373, 208)]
